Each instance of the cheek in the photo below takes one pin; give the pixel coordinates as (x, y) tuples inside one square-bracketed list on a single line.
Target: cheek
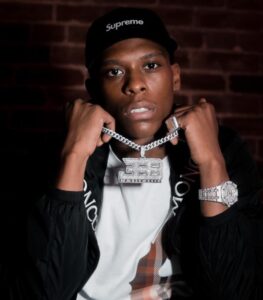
[(166, 95), (109, 94)]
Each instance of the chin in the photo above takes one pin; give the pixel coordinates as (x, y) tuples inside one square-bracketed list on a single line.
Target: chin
[(140, 130)]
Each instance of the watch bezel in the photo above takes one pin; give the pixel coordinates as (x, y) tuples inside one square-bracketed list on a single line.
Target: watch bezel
[(229, 193), (225, 193)]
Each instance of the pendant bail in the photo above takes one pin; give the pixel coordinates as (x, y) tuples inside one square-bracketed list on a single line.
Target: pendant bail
[(142, 151)]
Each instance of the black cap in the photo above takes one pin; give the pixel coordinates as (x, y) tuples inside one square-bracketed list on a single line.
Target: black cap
[(124, 23)]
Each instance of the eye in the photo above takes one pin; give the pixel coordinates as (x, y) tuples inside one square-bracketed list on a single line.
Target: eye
[(114, 72), (151, 66)]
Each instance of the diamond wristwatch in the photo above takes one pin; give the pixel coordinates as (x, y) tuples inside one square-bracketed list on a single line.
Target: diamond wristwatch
[(225, 193)]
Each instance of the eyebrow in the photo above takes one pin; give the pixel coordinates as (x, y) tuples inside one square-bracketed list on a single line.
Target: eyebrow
[(146, 56)]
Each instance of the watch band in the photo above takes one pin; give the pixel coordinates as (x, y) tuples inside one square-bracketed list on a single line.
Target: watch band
[(225, 193)]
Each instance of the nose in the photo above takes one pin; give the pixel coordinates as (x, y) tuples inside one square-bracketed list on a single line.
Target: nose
[(134, 83)]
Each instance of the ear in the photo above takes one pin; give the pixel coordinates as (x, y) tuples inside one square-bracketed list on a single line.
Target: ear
[(176, 77)]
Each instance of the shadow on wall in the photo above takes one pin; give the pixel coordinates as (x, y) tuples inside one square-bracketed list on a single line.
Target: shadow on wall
[(33, 91)]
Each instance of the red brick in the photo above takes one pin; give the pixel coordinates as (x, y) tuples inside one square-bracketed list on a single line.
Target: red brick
[(175, 16), (47, 33), (89, 13), (226, 19), (220, 40), (3, 123), (225, 61), (24, 54), (260, 170), (32, 141), (251, 42), (50, 76), (57, 97), (181, 99), (202, 82), (37, 119), (14, 33), (77, 34), (251, 145), (234, 104), (67, 55), (129, 2), (80, 13), (251, 127), (245, 4), (6, 75), (25, 12), (260, 149), (182, 58), (261, 64), (186, 38), (212, 3), (246, 83), (13, 95)]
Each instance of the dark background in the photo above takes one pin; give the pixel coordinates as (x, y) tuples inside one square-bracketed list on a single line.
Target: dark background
[(42, 67)]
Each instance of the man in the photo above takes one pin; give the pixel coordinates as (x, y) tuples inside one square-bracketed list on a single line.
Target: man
[(169, 207)]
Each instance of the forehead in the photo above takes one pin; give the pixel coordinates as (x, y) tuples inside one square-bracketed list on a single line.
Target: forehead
[(133, 48)]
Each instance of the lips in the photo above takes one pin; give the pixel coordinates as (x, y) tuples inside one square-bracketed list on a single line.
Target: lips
[(141, 110)]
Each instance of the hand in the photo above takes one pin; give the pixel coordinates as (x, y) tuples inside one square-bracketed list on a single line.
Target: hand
[(201, 131), (85, 122)]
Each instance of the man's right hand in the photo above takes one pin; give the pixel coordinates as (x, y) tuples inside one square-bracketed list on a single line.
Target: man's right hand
[(85, 122)]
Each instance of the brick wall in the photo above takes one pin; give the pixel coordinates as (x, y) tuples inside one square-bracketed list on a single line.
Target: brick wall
[(41, 67)]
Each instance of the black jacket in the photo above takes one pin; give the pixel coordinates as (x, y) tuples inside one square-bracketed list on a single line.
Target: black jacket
[(221, 257)]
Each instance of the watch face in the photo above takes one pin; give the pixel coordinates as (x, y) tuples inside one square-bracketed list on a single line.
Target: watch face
[(229, 193)]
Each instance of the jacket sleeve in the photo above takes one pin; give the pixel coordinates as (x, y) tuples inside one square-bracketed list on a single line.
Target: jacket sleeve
[(60, 253), (231, 244)]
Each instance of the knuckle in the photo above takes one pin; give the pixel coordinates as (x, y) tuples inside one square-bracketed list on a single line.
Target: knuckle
[(78, 102), (211, 106)]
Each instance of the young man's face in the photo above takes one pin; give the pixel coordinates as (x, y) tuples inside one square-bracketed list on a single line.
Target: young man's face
[(137, 84)]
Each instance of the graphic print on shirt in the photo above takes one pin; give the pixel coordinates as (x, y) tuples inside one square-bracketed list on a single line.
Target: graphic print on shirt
[(183, 186), (153, 277), (91, 206)]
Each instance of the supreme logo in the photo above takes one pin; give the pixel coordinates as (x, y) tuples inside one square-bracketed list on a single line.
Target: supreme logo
[(117, 25)]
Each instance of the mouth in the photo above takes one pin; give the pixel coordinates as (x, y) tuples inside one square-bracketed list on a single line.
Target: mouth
[(140, 111)]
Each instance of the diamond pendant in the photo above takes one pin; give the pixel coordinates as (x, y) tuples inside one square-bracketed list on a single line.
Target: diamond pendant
[(139, 170)]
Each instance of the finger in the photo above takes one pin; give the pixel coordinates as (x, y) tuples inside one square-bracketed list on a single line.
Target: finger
[(183, 110), (202, 100), (99, 142), (109, 122), (174, 141), (172, 123), (68, 106)]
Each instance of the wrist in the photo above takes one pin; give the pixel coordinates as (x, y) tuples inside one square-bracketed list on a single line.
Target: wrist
[(71, 173), (216, 199), (74, 150), (68, 155), (213, 173)]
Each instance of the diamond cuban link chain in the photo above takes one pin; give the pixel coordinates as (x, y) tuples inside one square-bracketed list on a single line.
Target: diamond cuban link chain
[(137, 147), (139, 170)]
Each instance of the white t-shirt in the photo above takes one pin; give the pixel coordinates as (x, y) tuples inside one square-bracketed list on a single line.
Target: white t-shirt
[(131, 219)]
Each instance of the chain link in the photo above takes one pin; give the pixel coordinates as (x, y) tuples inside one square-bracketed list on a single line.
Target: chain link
[(137, 147)]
